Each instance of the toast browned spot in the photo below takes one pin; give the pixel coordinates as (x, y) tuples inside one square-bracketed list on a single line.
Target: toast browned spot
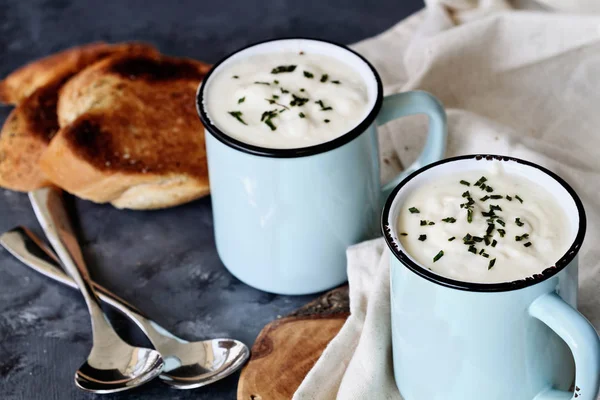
[(27, 79), (30, 126), (130, 134)]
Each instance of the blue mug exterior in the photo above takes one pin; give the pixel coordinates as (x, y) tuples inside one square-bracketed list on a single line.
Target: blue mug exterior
[(521, 340), (283, 218)]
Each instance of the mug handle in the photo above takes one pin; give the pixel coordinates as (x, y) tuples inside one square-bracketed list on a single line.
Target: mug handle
[(416, 102), (582, 339)]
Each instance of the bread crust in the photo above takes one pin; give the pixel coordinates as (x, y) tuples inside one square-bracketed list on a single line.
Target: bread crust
[(130, 134)]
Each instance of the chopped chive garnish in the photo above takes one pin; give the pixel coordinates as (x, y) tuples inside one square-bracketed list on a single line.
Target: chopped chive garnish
[(467, 237), (495, 207), (523, 236), (308, 74), (276, 82), (494, 243), (270, 124), (414, 210), (488, 213), (466, 194), (242, 99), (298, 101), (489, 229), (486, 239), (484, 198), (283, 68), (235, 77), (518, 198), (469, 215), (302, 115), (508, 198), (262, 83), (489, 189), (518, 222), (336, 82), (463, 182), (480, 181), (502, 232), (450, 220), (486, 255), (324, 77), (482, 186), (491, 264), (438, 255), (452, 238), (403, 234), (473, 249), (237, 115), (423, 222), (284, 91), (267, 118), (275, 96), (478, 239), (422, 238), (323, 108), (500, 222), (481, 251), (302, 89), (527, 244), (326, 121), (496, 196)]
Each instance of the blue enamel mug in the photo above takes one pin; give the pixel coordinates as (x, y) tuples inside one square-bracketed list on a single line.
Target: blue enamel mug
[(520, 340), (283, 218)]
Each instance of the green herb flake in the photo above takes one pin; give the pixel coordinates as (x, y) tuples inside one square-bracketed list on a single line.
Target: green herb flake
[(469, 215), (508, 198), (518, 198), (494, 243), (302, 115), (486, 239), (298, 101), (323, 107), (414, 210), (452, 238), (403, 234), (486, 255), (481, 251), (489, 189), (241, 100), (283, 68), (463, 182), (520, 238), (326, 121), (422, 238), (485, 198), (267, 118), (336, 82), (270, 124), (449, 220), (478, 239), (527, 244), (235, 77), (308, 75), (324, 77), (500, 222), (237, 115), (518, 222), (502, 232), (276, 82), (302, 89), (495, 207), (262, 83), (491, 263), (496, 197), (480, 181), (489, 229), (284, 91), (473, 249), (423, 222), (438, 256)]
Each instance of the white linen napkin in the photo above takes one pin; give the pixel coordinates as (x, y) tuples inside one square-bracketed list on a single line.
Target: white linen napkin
[(520, 83)]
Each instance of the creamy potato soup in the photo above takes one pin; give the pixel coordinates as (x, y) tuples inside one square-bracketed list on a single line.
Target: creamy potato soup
[(286, 99), (484, 227)]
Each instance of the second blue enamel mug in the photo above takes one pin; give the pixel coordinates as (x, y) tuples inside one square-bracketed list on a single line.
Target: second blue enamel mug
[(283, 218)]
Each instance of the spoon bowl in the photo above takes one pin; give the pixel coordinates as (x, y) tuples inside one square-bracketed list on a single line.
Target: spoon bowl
[(196, 364)]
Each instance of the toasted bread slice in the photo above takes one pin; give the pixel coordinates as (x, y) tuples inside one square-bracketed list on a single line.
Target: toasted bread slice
[(130, 134), (27, 79)]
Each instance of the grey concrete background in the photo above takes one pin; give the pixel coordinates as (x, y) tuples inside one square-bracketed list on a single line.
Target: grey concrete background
[(164, 262)]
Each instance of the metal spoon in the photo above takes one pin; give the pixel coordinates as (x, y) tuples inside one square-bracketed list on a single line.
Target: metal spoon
[(112, 365), (187, 365)]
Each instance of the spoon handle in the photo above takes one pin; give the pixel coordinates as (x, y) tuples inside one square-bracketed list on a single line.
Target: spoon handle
[(52, 215), (33, 252)]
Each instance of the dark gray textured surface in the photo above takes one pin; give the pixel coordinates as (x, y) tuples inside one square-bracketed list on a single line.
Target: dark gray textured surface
[(165, 262)]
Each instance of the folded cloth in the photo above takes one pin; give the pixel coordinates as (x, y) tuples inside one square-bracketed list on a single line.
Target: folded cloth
[(519, 83)]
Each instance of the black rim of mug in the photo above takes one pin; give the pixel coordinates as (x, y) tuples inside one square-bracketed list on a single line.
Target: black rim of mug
[(295, 152), (549, 272)]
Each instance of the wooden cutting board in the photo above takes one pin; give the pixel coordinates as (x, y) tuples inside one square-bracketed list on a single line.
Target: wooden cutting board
[(287, 348)]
